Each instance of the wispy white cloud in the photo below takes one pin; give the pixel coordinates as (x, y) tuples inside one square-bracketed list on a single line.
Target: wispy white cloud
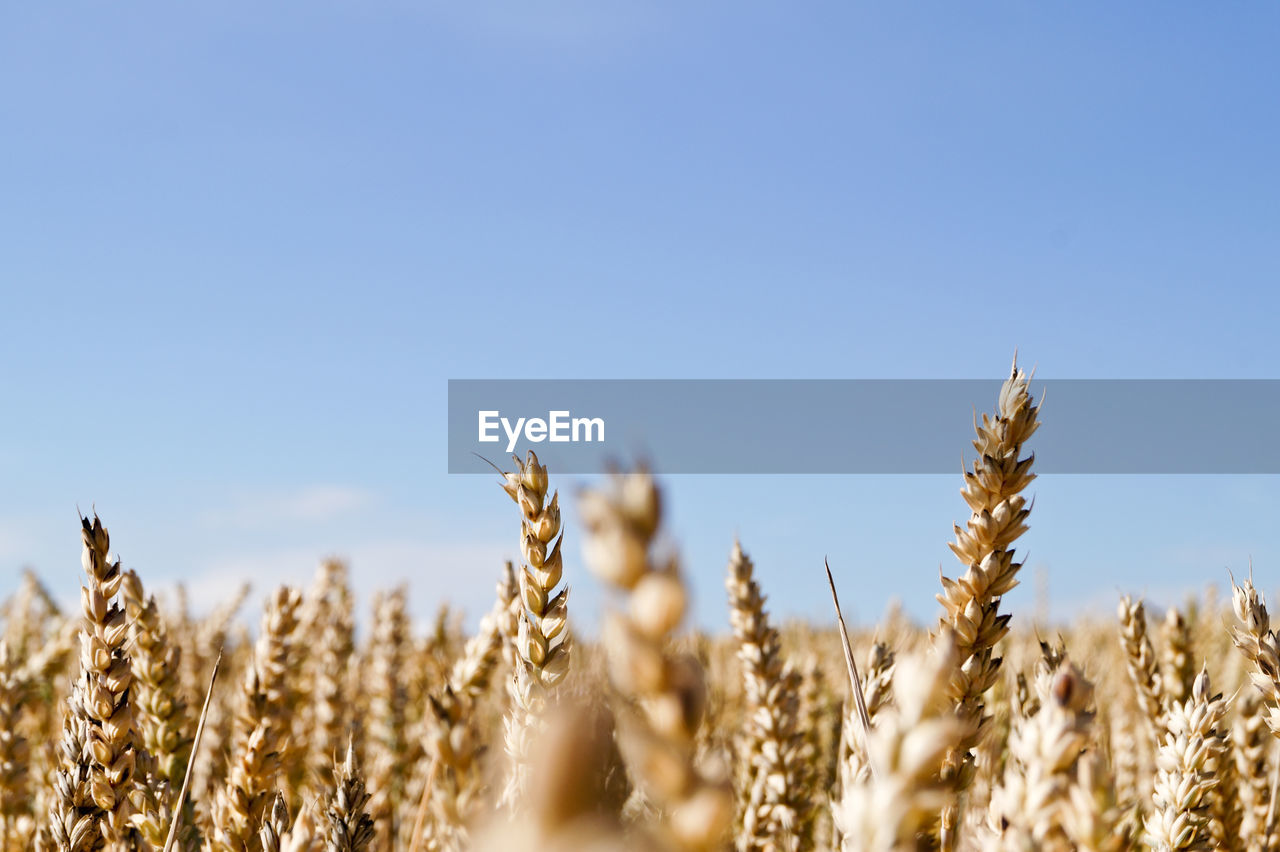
[(461, 574), (313, 504)]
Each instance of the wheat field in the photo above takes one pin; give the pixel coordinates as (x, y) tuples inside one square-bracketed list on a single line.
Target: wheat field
[(1151, 731)]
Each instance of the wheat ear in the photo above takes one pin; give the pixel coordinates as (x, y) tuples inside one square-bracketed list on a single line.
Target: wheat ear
[(1030, 807), (331, 664), (1252, 742), (658, 736), (542, 643), (261, 732), (99, 755), (452, 780), (877, 692), (892, 808), (1140, 659), (163, 721), (1257, 641), (1178, 668), (388, 741), (1187, 764), (773, 775), (15, 752), (993, 492)]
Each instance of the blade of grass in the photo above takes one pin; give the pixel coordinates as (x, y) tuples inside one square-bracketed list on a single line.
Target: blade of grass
[(420, 822), (854, 680), (191, 761)]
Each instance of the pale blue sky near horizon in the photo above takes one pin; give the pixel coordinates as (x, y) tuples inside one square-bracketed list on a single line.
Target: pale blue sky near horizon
[(244, 247)]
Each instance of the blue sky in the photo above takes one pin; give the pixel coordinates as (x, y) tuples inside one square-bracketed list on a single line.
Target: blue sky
[(244, 247)]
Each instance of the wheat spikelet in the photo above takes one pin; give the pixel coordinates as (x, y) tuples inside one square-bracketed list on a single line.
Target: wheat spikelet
[(542, 643), (774, 775), (75, 819), (971, 604), (658, 736), (1093, 818), (350, 827), (275, 826), (304, 835)]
